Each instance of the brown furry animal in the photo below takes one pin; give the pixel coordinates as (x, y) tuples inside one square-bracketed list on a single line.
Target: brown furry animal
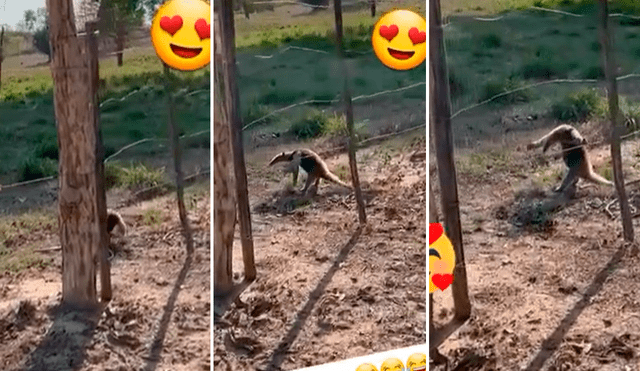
[(115, 220), (311, 163), (574, 154)]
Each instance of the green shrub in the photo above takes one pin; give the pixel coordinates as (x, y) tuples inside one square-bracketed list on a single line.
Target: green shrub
[(311, 125), (36, 168), (577, 106)]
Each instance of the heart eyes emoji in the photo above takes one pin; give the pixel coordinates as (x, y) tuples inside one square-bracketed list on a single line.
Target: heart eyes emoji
[(174, 24), (390, 32), (171, 25)]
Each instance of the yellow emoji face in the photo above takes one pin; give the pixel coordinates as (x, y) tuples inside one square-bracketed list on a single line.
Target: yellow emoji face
[(399, 39), (181, 34), (392, 364), (442, 259), (417, 362), (366, 367)]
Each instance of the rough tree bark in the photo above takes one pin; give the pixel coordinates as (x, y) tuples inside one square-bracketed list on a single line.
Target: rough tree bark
[(232, 105), (223, 184), (75, 112)]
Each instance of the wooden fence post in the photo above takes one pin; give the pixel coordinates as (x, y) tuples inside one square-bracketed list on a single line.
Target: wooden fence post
[(174, 140), (610, 67), (103, 250), (446, 165), (79, 224), (233, 102), (224, 202), (362, 216)]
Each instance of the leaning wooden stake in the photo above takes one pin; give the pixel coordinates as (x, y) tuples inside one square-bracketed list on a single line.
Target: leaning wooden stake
[(177, 160), (105, 265), (224, 200), (231, 93), (606, 40), (362, 216), (446, 165)]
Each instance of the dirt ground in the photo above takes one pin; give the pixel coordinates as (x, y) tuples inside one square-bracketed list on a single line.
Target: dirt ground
[(554, 290), (159, 318), (327, 291)]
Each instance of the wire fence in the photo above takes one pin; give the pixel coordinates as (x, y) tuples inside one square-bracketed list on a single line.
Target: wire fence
[(538, 84), (138, 97), (271, 90)]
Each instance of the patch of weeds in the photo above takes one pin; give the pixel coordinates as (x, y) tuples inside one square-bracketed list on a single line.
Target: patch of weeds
[(35, 168), (256, 111), (577, 106), (593, 72), (152, 218), (135, 176), (312, 124), (47, 148), (497, 87), (335, 126)]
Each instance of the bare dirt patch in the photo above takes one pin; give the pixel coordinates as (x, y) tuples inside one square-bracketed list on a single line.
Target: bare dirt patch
[(552, 285), (159, 316), (326, 289)]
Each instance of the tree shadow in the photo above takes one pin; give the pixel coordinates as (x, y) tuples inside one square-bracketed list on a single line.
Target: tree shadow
[(281, 351), (551, 344), (64, 345), (157, 344)]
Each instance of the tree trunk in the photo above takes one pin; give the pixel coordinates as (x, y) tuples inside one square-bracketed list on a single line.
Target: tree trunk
[(121, 32), (232, 105), (223, 184), (75, 112)]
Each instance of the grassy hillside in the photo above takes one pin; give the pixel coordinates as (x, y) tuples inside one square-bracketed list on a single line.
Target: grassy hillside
[(486, 58), (288, 56), (133, 108)]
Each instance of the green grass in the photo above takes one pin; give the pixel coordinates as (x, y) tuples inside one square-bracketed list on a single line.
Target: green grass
[(525, 47), (134, 106), (134, 176), (498, 6), (272, 78)]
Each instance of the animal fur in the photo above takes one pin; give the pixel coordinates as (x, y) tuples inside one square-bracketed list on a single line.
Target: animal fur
[(311, 163), (574, 154), (115, 220)]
